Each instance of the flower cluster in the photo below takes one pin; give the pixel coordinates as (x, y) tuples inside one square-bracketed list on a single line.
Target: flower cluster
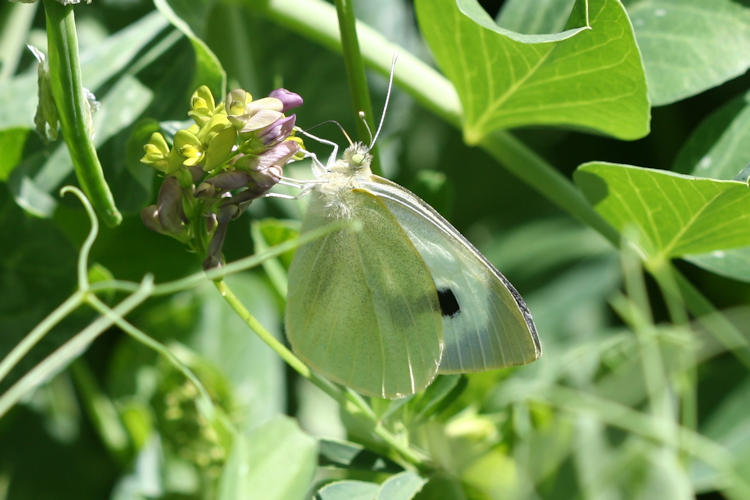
[(233, 153)]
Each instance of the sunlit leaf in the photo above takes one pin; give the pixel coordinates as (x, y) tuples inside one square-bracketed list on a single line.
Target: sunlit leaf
[(676, 214), (717, 149), (589, 77), (541, 16)]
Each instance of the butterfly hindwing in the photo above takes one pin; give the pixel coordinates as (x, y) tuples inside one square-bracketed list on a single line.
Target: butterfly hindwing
[(362, 307), (486, 322)]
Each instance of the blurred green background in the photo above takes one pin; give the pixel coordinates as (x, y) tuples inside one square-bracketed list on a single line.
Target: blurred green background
[(588, 420)]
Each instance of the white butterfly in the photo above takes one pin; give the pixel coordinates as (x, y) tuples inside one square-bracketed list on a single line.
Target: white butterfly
[(386, 308)]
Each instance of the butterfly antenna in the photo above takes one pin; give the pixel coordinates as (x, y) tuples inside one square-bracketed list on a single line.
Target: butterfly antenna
[(385, 106), (367, 126), (341, 128)]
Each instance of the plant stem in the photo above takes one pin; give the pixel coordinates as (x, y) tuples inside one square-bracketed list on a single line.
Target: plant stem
[(62, 356), (687, 382), (355, 72), (67, 90), (39, 331)]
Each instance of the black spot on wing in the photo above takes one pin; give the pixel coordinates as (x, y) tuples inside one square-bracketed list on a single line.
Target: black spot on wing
[(448, 302)]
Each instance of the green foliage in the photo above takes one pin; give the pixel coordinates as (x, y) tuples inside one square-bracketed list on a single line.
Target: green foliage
[(677, 214), (587, 76), (125, 374), (689, 46)]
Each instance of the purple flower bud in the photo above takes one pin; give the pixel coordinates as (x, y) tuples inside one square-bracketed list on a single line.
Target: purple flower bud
[(213, 259), (288, 99), (150, 218), (227, 181), (169, 206), (275, 158), (278, 130)]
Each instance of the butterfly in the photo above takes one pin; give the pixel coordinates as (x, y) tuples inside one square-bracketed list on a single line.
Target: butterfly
[(385, 307)]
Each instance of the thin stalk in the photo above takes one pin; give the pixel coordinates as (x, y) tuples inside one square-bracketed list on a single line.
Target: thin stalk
[(39, 331), (62, 356), (688, 377), (67, 90), (355, 73)]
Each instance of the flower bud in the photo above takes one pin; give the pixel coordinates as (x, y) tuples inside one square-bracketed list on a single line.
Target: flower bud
[(278, 130), (288, 99), (156, 152), (189, 147), (169, 206), (225, 181), (236, 102), (202, 105)]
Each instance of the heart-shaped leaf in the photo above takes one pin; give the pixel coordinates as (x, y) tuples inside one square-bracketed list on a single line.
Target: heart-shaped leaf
[(676, 214), (589, 76)]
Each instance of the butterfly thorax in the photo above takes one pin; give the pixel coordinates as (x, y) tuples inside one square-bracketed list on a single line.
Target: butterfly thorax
[(343, 176)]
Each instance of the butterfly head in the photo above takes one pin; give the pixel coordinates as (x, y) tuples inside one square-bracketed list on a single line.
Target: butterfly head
[(354, 162)]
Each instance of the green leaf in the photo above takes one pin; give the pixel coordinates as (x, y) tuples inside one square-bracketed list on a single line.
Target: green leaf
[(191, 17), (540, 16), (98, 64), (716, 148), (36, 273), (276, 458), (676, 214), (267, 233), (34, 181), (353, 456), (733, 263), (348, 490), (12, 143), (729, 426), (689, 46), (444, 390), (402, 486), (589, 76), (255, 372)]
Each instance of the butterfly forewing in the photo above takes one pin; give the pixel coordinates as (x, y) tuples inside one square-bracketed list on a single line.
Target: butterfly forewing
[(486, 322), (362, 307)]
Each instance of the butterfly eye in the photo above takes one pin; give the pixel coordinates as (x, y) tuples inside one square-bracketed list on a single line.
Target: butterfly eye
[(358, 159)]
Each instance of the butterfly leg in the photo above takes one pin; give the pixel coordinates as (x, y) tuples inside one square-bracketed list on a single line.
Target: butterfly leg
[(331, 157)]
